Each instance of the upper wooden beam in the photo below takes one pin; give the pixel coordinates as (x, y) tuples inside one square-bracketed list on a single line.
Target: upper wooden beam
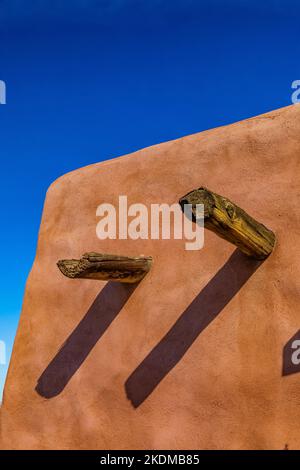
[(231, 222), (106, 267)]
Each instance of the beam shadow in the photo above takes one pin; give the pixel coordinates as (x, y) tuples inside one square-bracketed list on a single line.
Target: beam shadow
[(198, 315), (79, 344)]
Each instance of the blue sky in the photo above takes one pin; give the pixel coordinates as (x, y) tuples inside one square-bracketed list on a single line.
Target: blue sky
[(92, 80)]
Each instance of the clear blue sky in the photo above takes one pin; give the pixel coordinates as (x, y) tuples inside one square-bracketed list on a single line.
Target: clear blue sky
[(91, 80)]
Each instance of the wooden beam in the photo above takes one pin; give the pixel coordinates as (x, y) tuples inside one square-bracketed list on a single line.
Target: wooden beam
[(106, 267), (232, 223)]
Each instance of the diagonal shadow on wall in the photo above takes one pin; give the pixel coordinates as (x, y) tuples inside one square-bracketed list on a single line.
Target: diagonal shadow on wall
[(199, 314), (74, 351)]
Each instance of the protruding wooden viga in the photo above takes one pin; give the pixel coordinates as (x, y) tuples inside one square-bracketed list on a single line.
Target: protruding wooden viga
[(106, 267), (231, 222)]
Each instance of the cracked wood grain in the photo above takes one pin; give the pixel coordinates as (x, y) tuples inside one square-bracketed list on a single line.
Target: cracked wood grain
[(232, 223), (106, 267)]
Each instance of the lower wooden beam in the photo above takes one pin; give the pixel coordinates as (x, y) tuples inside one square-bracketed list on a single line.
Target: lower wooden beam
[(232, 223), (106, 267)]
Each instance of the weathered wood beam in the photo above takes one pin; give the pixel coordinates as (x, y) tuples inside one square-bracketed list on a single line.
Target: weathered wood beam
[(232, 223), (106, 267)]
